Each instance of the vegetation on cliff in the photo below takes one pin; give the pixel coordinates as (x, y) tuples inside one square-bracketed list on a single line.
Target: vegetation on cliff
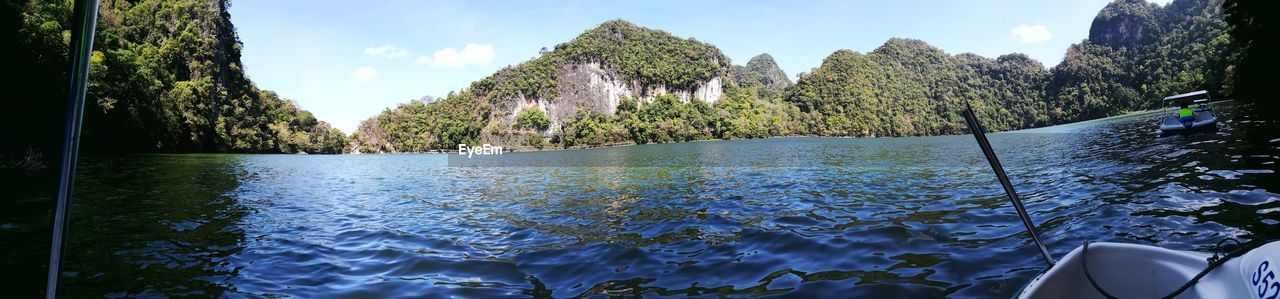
[(165, 76), (763, 73), (1137, 52), (908, 88), (652, 57), (738, 115), (646, 56), (421, 127), (1251, 25)]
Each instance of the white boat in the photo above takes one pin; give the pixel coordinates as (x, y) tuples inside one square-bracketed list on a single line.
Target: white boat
[(1171, 125), (1119, 270), (1203, 113), (1141, 271)]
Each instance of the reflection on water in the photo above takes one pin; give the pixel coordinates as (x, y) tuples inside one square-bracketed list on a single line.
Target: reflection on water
[(901, 217), (154, 225)]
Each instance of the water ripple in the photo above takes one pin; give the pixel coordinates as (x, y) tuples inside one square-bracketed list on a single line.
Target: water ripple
[(790, 217)]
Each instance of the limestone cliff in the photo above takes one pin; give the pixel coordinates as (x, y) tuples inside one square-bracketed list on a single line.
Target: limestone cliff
[(593, 72), (591, 86), (1125, 23)]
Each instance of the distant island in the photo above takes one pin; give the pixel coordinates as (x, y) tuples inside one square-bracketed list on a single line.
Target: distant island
[(166, 76)]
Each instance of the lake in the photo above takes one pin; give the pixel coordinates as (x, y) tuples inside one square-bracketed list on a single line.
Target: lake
[(811, 217)]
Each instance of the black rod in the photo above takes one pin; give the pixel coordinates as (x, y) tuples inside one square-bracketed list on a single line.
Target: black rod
[(981, 135), (83, 21)]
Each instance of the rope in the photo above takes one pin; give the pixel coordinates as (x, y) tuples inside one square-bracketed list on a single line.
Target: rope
[(1084, 260), (1214, 262)]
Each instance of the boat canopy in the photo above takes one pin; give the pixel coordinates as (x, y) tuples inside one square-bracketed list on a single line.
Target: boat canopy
[(1194, 97)]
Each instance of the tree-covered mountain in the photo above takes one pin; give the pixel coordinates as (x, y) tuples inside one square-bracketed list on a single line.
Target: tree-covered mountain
[(761, 71), (594, 72), (1138, 52), (609, 85), (165, 76), (909, 88)]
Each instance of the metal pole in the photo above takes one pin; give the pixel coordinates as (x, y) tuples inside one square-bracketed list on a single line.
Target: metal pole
[(981, 135), (83, 20)]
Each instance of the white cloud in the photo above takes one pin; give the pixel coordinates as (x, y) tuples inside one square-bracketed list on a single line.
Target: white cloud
[(1031, 33), (422, 59), (1161, 2), (365, 74), (387, 51), (450, 57)]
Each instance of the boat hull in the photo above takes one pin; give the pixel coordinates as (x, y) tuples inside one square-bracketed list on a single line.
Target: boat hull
[(1136, 271), (1204, 120)]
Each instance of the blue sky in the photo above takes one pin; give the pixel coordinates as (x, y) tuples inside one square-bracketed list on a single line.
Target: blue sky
[(346, 61)]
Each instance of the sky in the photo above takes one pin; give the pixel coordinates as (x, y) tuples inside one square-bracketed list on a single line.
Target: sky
[(346, 61)]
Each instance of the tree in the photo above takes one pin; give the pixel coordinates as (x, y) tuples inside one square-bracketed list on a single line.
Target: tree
[(533, 119), (165, 76)]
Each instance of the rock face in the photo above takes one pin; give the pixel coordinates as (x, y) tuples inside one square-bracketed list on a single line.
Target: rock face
[(596, 71), (1125, 23), (585, 77), (709, 91), (591, 86)]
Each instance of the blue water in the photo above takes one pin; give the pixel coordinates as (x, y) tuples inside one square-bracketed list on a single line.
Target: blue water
[(817, 217)]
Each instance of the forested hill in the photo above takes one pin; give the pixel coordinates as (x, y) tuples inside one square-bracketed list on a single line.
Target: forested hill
[(761, 71), (615, 83), (908, 88), (165, 76), (1137, 52), (533, 102)]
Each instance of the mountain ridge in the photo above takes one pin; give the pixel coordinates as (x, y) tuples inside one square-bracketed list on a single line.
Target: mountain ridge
[(593, 72), (905, 87), (166, 77)]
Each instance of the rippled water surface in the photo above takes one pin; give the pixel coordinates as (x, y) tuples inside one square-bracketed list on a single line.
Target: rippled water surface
[(818, 217)]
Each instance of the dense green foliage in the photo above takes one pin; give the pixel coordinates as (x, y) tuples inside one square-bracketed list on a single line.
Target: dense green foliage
[(649, 57), (742, 114), (1252, 26), (420, 127), (739, 115), (588, 128), (165, 76), (666, 120), (762, 73), (533, 119), (1137, 52), (908, 88)]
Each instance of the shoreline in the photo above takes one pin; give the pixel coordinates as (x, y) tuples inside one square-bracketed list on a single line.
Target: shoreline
[(1128, 114), (625, 144)]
